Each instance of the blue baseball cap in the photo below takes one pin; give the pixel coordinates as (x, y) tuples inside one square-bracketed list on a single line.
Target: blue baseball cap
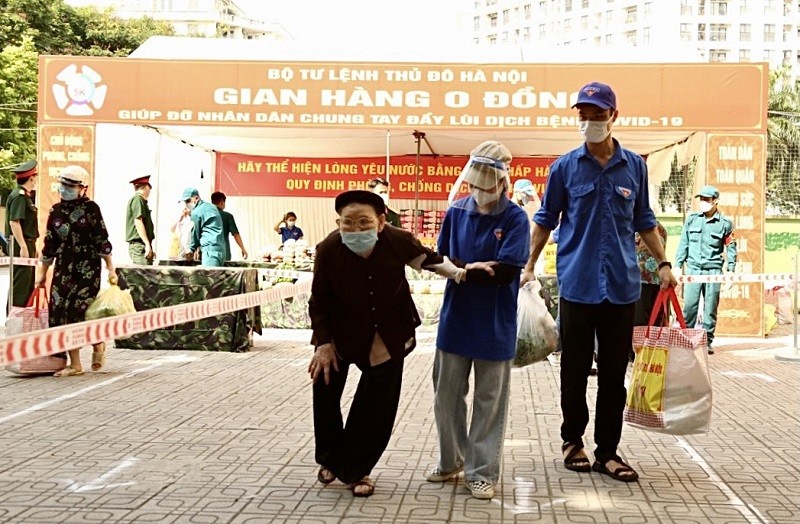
[(524, 186), (188, 193), (708, 192), (597, 94)]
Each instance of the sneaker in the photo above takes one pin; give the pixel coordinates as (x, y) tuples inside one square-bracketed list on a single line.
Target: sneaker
[(437, 475), (481, 489)]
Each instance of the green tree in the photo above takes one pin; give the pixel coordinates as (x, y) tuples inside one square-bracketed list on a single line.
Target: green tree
[(18, 90), (783, 145)]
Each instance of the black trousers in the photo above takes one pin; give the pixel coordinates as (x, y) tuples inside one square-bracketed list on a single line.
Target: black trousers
[(613, 324), (351, 450)]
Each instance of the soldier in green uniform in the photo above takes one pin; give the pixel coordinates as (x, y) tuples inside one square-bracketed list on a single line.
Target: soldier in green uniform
[(706, 235), (229, 227), (139, 231), (207, 231), (22, 223)]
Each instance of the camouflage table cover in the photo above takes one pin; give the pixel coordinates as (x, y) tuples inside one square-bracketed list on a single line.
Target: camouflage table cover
[(153, 287)]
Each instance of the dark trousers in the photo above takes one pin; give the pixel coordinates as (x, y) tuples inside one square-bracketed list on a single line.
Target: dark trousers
[(23, 278), (613, 325), (351, 450)]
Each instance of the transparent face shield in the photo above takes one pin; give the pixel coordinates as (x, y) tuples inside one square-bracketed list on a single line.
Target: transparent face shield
[(482, 186)]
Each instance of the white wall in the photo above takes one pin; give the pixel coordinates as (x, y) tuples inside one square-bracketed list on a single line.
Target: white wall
[(124, 152)]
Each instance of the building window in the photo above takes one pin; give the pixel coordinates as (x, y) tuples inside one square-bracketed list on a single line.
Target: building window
[(568, 25), (630, 15), (769, 6), (718, 55), (744, 55), (584, 4), (505, 37), (567, 6), (584, 22), (543, 7), (516, 13), (526, 34), (609, 17), (630, 37), (744, 8), (701, 32), (648, 9), (768, 54), (645, 35), (701, 7), (609, 39), (787, 33), (493, 20), (527, 10), (686, 7), (745, 34), (769, 32), (718, 33), (719, 8), (542, 31), (583, 42), (686, 32), (506, 16), (476, 23)]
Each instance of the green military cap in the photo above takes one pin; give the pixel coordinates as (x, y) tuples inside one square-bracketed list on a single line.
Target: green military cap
[(25, 169)]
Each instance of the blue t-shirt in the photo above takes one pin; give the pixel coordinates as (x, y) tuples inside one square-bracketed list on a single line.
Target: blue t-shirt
[(479, 320), (600, 208), (294, 233)]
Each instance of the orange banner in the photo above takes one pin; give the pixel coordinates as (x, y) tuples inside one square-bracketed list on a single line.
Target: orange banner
[(736, 167), (61, 146), (702, 97), (247, 175)]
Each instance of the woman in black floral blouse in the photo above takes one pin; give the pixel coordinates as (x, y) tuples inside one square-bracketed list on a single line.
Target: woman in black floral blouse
[(76, 240)]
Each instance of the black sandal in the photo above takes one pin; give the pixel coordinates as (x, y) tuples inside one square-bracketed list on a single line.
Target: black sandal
[(573, 463), (325, 476), (624, 473)]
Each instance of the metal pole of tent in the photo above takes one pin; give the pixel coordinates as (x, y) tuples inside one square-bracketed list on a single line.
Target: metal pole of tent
[(793, 355), (388, 157), (419, 136)]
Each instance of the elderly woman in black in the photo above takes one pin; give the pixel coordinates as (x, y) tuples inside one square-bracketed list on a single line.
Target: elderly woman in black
[(75, 241)]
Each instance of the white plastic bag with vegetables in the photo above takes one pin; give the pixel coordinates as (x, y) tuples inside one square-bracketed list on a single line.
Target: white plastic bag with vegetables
[(537, 335)]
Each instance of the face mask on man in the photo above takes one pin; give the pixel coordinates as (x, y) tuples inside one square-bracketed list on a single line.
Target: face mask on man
[(594, 131), (360, 241), (705, 206), (484, 198), (190, 206), (69, 192)]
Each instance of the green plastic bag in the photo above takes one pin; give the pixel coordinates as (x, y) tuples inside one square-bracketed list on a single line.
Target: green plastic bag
[(110, 302)]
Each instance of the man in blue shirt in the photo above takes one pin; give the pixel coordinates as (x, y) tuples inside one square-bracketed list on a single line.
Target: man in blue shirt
[(600, 193), (478, 321), (207, 231), (229, 227), (706, 235)]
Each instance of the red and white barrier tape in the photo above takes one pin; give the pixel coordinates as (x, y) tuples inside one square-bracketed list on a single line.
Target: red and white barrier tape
[(45, 342), (19, 261), (736, 277)]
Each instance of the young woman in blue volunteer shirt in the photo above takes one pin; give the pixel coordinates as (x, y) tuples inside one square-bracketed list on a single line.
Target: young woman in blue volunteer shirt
[(478, 320), (287, 229)]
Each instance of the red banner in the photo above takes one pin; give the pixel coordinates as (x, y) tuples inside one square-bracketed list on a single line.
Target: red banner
[(247, 175)]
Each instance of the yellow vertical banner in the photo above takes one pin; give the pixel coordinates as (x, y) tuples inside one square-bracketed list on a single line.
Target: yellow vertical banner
[(736, 166), (61, 146)]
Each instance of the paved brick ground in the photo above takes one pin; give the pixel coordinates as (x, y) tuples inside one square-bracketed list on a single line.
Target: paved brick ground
[(180, 436)]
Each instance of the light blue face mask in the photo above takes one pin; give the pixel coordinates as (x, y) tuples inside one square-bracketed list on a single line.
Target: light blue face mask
[(360, 241), (69, 192)]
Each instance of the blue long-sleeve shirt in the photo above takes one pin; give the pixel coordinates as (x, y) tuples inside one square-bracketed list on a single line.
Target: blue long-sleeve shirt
[(600, 209)]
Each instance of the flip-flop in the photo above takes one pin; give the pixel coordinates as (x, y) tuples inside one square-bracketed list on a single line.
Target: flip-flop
[(99, 357), (325, 476), (366, 481), (68, 371), (624, 473), (574, 463)]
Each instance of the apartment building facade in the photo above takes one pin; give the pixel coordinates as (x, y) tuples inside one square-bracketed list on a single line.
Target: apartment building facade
[(208, 18), (719, 30)]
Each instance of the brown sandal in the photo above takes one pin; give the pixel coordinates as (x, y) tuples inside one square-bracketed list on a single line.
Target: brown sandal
[(368, 483), (571, 461), (99, 356), (325, 476)]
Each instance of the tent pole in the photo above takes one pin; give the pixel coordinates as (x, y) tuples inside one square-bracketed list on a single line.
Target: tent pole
[(419, 136), (388, 156)]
